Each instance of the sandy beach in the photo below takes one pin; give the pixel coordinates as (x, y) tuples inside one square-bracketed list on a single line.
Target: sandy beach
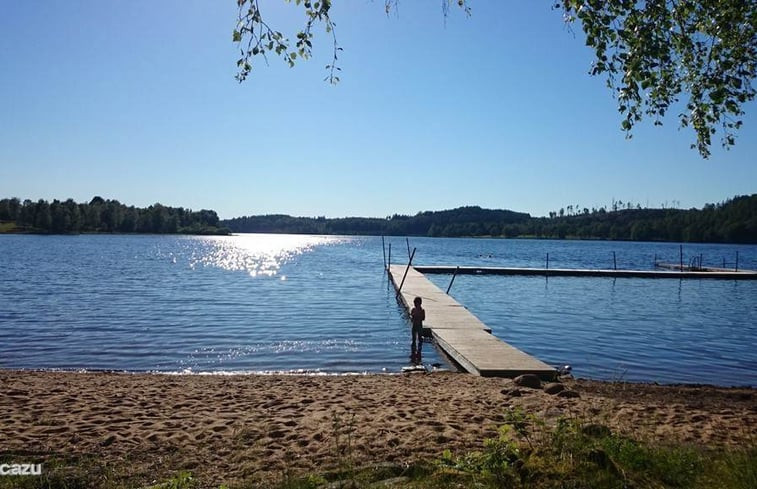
[(228, 428)]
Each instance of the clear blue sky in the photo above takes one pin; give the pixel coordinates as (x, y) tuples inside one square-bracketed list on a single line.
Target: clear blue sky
[(136, 101)]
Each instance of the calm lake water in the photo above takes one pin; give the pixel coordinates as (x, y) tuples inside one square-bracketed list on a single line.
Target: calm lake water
[(273, 303)]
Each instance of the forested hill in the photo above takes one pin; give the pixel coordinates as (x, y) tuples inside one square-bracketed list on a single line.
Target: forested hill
[(732, 221), (103, 216), (464, 221)]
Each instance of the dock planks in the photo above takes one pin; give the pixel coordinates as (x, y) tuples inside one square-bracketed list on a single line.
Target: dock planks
[(460, 334)]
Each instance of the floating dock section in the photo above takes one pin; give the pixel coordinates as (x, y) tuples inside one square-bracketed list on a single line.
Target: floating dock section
[(722, 274), (460, 334)]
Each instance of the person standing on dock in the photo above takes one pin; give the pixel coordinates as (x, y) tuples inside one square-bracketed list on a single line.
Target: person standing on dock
[(417, 316)]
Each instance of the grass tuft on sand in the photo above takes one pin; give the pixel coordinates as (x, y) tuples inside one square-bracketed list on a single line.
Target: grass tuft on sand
[(527, 453)]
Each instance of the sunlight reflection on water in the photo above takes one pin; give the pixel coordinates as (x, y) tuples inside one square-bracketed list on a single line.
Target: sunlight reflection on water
[(260, 254), (219, 355)]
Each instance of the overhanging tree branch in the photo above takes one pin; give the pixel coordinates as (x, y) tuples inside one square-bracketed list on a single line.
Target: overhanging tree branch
[(653, 53), (664, 50)]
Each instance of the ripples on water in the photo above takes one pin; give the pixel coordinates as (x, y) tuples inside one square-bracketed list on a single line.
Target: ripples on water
[(261, 303), (693, 331), (239, 303)]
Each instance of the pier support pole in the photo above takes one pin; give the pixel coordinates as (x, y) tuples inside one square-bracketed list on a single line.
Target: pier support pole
[(736, 269), (681, 256), (383, 249), (407, 240), (453, 279), (389, 261), (409, 263), (614, 262)]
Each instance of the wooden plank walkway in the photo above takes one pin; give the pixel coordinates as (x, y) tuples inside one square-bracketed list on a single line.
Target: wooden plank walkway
[(677, 266), (574, 272), (460, 334)]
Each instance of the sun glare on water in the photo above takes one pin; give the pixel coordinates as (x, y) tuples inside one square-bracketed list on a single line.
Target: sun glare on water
[(257, 254)]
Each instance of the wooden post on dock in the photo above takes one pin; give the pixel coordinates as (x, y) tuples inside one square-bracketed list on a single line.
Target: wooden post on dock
[(407, 240), (383, 249), (681, 256), (546, 270), (736, 269), (614, 262), (389, 261), (453, 279), (409, 263)]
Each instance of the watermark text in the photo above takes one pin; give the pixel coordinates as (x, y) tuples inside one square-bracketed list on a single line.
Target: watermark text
[(20, 469)]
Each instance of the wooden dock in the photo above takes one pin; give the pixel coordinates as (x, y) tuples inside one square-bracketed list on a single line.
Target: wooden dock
[(721, 274), (460, 334), (695, 268)]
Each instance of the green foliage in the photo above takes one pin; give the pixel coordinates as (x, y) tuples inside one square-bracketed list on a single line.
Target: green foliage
[(673, 466), (255, 37), (652, 52), (737, 470), (656, 51), (733, 221), (105, 216), (342, 430), (305, 482), (183, 480), (463, 221), (529, 453), (7, 227)]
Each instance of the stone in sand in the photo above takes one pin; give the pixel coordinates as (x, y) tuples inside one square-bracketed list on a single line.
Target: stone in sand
[(528, 380), (108, 441), (511, 392), (554, 388), (569, 394)]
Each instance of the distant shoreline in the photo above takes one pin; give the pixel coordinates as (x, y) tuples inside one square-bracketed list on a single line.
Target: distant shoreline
[(728, 222), (17, 231), (104, 216), (481, 237)]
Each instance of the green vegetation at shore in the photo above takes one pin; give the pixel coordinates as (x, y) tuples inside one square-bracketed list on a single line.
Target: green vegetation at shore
[(103, 216), (733, 221), (526, 453)]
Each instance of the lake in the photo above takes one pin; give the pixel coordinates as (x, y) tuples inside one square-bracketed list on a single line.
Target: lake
[(322, 304)]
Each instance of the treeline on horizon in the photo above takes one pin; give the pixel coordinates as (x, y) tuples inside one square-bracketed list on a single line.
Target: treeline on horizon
[(104, 216), (732, 221)]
